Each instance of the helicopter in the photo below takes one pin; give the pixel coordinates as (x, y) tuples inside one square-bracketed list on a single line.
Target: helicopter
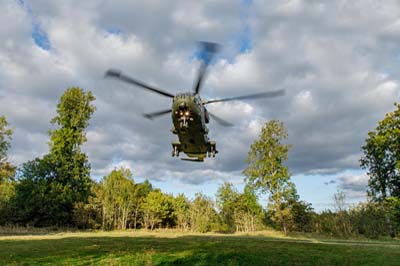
[(188, 111)]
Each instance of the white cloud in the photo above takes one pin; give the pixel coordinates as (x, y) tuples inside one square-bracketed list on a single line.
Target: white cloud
[(337, 60)]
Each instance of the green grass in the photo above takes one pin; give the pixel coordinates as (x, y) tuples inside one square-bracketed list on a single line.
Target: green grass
[(172, 248)]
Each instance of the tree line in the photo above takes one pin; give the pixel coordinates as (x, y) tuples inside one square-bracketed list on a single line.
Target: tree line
[(57, 190)]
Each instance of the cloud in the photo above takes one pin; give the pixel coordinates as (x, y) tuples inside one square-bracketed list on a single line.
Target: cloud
[(353, 182), (336, 60), (354, 186)]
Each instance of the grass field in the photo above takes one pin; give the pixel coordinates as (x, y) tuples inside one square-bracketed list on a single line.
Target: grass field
[(174, 248)]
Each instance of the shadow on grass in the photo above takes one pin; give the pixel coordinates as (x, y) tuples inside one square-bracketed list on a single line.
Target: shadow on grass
[(190, 250), (28, 231)]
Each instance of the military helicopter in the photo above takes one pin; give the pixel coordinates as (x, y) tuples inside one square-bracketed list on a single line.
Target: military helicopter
[(188, 111)]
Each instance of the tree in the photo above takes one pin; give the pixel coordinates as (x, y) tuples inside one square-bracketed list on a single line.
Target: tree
[(302, 214), (375, 218), (39, 200), (226, 199), (71, 166), (51, 186), (342, 219), (382, 157), (266, 171), (7, 170), (392, 207), (118, 191), (181, 206), (202, 214), (239, 212), (90, 215), (5, 137), (141, 192), (156, 207), (248, 212)]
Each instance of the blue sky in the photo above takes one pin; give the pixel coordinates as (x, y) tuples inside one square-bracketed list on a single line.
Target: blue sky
[(39, 36)]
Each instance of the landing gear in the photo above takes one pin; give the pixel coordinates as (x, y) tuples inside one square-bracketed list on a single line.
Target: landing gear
[(211, 154), (176, 149), (212, 150)]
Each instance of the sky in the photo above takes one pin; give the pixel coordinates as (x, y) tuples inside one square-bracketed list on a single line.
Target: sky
[(337, 60)]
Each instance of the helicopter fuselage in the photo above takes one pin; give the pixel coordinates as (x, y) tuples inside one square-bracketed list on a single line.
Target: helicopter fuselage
[(189, 117)]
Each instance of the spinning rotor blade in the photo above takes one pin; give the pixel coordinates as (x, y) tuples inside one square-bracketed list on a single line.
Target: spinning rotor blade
[(269, 94), (220, 120), (155, 114), (111, 73), (209, 49)]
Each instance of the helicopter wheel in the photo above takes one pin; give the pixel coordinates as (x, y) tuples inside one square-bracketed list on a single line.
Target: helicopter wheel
[(175, 152)]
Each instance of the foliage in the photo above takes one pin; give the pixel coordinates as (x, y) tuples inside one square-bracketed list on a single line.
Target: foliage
[(266, 171), (7, 192), (157, 206), (375, 219), (325, 223), (239, 212), (369, 219), (5, 138), (70, 165), (90, 215), (382, 157), (226, 201), (181, 207), (57, 190), (302, 216), (140, 193), (117, 193), (7, 172), (38, 200), (50, 187), (392, 207), (342, 217), (248, 213), (203, 216)]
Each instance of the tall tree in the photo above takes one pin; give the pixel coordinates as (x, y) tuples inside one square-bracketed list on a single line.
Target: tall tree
[(7, 170), (50, 187), (267, 173), (382, 157), (71, 165)]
